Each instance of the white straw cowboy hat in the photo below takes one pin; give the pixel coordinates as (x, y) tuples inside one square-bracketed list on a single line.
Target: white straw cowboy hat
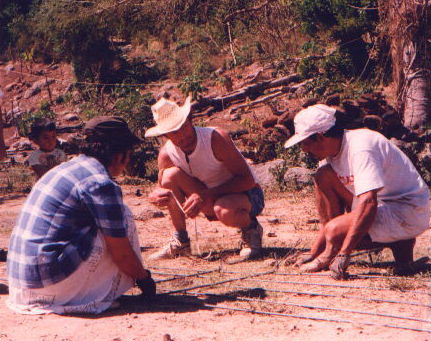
[(169, 116), (318, 118)]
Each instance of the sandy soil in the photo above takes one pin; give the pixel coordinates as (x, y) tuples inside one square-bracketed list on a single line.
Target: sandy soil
[(279, 304)]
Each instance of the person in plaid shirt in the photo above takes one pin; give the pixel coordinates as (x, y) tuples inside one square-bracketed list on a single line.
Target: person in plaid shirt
[(75, 247)]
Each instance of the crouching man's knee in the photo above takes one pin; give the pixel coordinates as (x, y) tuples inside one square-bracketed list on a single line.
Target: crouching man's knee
[(169, 177), (333, 233), (324, 175)]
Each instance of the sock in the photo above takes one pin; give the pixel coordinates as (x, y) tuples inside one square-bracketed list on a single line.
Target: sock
[(182, 236)]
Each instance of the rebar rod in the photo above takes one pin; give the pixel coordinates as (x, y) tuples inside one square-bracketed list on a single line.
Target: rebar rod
[(338, 296), (305, 274), (338, 286), (220, 282), (308, 306), (303, 317), (178, 276)]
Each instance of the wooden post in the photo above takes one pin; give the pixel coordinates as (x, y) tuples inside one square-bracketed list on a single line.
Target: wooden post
[(49, 90), (3, 153)]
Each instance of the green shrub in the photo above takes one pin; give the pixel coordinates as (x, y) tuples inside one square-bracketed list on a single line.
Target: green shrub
[(338, 66), (26, 120), (192, 84), (308, 67)]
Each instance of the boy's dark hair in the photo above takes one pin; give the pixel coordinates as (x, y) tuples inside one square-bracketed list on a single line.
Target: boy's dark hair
[(40, 125)]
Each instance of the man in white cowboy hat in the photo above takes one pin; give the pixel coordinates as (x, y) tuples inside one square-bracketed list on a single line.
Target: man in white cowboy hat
[(368, 193), (201, 170)]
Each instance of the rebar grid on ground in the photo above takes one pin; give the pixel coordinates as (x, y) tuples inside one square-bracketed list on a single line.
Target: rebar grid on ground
[(219, 282), (338, 286), (428, 281), (307, 306), (249, 277), (178, 276), (199, 274), (338, 296), (253, 311)]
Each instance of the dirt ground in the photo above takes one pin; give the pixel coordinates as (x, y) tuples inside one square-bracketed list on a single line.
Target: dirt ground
[(258, 300)]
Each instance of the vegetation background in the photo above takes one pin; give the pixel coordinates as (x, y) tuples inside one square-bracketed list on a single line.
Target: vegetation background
[(346, 48)]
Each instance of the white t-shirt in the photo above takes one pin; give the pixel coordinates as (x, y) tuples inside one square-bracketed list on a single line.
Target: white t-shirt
[(48, 159), (368, 161)]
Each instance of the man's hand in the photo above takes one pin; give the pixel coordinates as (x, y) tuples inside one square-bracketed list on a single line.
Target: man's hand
[(193, 205), (147, 286), (160, 197), (339, 266)]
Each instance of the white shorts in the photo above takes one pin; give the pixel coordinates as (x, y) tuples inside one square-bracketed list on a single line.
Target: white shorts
[(92, 288), (398, 220)]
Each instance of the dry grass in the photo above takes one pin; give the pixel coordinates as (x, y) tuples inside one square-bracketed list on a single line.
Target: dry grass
[(17, 178)]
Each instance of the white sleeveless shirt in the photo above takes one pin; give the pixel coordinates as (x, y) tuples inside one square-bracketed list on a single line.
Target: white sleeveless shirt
[(202, 163)]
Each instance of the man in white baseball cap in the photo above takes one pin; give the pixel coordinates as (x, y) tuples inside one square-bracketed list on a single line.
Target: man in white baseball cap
[(201, 170), (368, 193)]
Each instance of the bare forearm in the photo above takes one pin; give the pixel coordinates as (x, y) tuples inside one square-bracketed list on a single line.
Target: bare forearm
[(125, 258), (131, 266), (237, 184), (364, 216)]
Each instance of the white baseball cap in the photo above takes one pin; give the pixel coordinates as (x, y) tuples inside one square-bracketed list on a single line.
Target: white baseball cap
[(318, 118)]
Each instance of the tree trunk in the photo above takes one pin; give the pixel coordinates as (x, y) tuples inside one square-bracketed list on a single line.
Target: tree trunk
[(409, 32), (2, 144)]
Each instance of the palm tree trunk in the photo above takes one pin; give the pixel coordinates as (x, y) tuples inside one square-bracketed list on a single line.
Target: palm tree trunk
[(407, 23)]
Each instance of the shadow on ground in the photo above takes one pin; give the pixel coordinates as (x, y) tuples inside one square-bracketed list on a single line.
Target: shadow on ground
[(268, 253), (175, 303)]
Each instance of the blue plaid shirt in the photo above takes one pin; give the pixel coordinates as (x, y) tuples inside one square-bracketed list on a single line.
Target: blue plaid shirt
[(59, 221)]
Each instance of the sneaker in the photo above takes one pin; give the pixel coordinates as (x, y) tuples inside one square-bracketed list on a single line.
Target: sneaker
[(251, 239), (174, 248)]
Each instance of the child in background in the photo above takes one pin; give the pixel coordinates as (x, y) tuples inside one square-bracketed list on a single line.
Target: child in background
[(48, 156)]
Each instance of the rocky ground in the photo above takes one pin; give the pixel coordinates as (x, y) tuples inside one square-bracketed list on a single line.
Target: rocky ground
[(260, 300)]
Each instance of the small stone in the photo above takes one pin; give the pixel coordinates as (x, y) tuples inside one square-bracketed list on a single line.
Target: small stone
[(71, 117), (158, 214), (271, 234), (274, 220), (235, 117), (167, 337), (269, 123), (10, 86)]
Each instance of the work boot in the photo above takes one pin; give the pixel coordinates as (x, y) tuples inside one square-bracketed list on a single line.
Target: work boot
[(251, 241), (174, 248)]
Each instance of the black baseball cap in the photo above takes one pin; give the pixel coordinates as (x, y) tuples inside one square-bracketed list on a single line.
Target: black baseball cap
[(110, 129)]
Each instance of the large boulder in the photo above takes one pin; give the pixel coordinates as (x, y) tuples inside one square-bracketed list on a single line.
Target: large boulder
[(264, 172), (299, 176), (37, 87)]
